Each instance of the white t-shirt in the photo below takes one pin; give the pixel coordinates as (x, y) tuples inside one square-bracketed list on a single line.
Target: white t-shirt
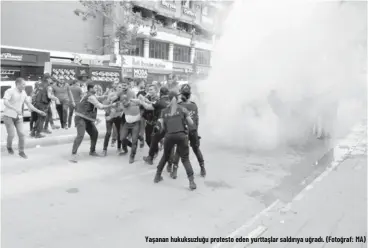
[(16, 99)]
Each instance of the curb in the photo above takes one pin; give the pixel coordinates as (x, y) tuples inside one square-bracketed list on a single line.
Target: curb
[(47, 141)]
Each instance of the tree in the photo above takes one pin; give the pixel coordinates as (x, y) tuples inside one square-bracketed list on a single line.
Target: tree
[(125, 23)]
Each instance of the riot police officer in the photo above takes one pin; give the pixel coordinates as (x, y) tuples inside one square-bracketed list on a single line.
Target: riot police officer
[(173, 122), (193, 134)]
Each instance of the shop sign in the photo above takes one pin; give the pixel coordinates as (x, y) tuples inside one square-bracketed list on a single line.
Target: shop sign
[(188, 70), (9, 56), (83, 61), (105, 76), (167, 5), (140, 73), (64, 74), (146, 63), (188, 12)]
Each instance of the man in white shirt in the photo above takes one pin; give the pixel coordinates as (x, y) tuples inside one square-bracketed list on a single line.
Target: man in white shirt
[(14, 98)]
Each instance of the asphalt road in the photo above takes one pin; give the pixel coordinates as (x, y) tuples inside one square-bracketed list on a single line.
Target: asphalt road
[(106, 202)]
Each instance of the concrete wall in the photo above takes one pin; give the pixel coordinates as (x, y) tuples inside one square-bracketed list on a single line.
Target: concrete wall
[(48, 25)]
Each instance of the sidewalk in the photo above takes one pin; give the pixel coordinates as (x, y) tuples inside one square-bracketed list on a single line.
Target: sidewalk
[(335, 206), (57, 137)]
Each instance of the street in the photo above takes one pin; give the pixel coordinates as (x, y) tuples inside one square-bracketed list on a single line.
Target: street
[(106, 202)]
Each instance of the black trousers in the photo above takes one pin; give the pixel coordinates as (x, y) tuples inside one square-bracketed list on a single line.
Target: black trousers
[(84, 126), (38, 125), (109, 124), (181, 141), (148, 131), (133, 129), (62, 110), (194, 143), (156, 138), (32, 121), (49, 119)]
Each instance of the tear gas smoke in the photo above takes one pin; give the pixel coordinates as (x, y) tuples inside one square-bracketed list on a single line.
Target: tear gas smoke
[(280, 65)]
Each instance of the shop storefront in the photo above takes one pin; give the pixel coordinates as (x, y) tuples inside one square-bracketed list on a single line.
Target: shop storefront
[(21, 63), (104, 76), (182, 71), (147, 68)]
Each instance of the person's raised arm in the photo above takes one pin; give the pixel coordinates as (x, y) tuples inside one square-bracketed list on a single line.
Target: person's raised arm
[(96, 103)]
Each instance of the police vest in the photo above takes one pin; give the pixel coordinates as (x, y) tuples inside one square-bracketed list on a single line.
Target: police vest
[(86, 109), (174, 123)]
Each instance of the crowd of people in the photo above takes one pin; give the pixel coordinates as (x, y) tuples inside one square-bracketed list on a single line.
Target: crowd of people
[(149, 114)]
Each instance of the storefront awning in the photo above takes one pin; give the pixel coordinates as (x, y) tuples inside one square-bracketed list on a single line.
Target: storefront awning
[(16, 57)]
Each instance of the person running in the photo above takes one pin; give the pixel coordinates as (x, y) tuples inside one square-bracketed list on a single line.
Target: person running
[(173, 122), (85, 117), (14, 98), (193, 134)]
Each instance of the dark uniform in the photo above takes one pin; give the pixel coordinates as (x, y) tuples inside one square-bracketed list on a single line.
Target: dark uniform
[(174, 127), (158, 106), (41, 102), (193, 134)]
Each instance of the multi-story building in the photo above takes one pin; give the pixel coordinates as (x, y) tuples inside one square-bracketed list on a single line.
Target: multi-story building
[(33, 33)]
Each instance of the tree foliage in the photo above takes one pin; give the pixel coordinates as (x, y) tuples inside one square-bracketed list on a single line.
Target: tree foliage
[(118, 13)]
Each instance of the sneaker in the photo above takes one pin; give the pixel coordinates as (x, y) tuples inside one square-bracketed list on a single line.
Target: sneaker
[(104, 153), (94, 154), (23, 155), (32, 134), (74, 158), (46, 131), (10, 150), (66, 128), (118, 151), (148, 160), (131, 160)]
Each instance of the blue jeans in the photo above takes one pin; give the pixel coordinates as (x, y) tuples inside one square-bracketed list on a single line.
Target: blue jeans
[(17, 124)]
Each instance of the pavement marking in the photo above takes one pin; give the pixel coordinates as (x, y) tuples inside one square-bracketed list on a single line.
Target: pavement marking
[(249, 222)]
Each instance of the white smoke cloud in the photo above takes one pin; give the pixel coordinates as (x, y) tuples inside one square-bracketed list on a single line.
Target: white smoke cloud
[(312, 53)]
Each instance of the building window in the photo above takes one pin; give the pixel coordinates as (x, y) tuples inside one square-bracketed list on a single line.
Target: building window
[(202, 57), (187, 4), (181, 53), (138, 50), (158, 50)]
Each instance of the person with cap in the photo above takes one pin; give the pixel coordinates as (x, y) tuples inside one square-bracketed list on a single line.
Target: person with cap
[(192, 108), (172, 123), (85, 118), (157, 106), (42, 100)]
